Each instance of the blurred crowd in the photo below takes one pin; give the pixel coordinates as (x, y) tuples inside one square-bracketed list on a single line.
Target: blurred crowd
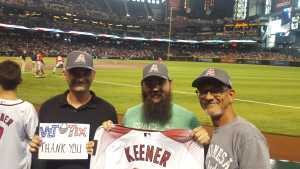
[(13, 45), (246, 55), (112, 17), (16, 44)]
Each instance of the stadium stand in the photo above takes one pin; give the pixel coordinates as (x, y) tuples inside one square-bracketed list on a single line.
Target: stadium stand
[(137, 9), (118, 7), (128, 19), (13, 42)]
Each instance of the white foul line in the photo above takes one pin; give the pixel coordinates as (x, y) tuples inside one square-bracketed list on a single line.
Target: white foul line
[(189, 93), (270, 104)]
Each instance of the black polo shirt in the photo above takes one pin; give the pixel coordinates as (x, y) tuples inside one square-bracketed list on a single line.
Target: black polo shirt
[(57, 110)]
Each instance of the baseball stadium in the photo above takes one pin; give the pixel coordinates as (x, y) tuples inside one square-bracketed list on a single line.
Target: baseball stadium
[(256, 41)]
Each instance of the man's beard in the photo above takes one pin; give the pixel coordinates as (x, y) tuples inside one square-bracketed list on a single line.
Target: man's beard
[(157, 112)]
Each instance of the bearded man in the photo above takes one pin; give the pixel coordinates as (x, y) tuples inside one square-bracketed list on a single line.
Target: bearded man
[(157, 112)]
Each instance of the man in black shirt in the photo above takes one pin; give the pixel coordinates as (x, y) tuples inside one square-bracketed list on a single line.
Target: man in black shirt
[(76, 105)]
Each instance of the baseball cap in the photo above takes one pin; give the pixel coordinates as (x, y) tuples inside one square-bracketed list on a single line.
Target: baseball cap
[(79, 59), (156, 69), (213, 74)]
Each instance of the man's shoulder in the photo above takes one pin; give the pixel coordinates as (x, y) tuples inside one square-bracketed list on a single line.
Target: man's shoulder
[(18, 104), (54, 99), (53, 102), (102, 102), (28, 105), (247, 129), (180, 109), (133, 116), (134, 110)]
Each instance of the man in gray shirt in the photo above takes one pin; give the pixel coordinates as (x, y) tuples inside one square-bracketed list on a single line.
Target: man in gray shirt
[(236, 143)]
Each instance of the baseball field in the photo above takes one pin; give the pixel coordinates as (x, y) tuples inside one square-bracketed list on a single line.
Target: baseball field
[(268, 96)]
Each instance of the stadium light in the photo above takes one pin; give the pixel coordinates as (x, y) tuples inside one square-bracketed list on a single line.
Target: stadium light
[(170, 32), (242, 41), (134, 38), (212, 41), (47, 30), (161, 40), (81, 33), (13, 26), (187, 41)]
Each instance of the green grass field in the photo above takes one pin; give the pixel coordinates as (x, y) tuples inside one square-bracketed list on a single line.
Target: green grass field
[(268, 96)]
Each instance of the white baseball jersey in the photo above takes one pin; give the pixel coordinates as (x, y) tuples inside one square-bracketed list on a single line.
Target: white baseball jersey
[(18, 122), (127, 148)]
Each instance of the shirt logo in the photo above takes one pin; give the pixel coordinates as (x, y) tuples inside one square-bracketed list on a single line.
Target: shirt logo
[(80, 59), (210, 72), (147, 134), (63, 128), (154, 68)]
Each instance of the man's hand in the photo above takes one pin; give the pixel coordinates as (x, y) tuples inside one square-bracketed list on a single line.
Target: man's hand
[(201, 135), (90, 147), (107, 125), (35, 144)]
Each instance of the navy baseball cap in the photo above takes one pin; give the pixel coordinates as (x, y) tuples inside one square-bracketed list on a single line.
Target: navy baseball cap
[(79, 59), (213, 74)]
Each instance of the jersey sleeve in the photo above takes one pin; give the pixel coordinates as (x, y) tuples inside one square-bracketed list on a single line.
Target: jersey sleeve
[(193, 155), (31, 121), (104, 139), (96, 158), (193, 158)]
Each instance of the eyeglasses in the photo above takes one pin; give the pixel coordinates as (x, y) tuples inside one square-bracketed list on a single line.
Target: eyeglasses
[(214, 91)]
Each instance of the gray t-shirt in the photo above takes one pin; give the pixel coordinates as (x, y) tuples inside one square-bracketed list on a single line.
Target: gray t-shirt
[(238, 145)]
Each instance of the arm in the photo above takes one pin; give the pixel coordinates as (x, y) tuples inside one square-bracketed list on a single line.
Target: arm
[(114, 117), (254, 153), (36, 141), (31, 122), (200, 133)]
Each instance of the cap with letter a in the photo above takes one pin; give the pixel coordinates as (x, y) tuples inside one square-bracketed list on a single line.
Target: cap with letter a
[(156, 69), (79, 59)]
